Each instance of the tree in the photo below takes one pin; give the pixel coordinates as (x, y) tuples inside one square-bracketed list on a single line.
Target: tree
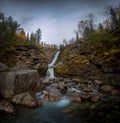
[(8, 29), (107, 24), (1, 16), (85, 27), (100, 27), (38, 35), (81, 26), (91, 22), (27, 38), (33, 37), (77, 35), (8, 38), (113, 16), (21, 34), (64, 42), (86, 31)]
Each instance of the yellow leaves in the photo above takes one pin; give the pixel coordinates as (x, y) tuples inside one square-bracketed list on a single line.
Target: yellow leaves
[(21, 34), (106, 54), (112, 55), (114, 51), (85, 61), (64, 55), (62, 69)]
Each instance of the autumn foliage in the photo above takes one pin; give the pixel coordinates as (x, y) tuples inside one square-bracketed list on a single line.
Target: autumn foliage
[(98, 46)]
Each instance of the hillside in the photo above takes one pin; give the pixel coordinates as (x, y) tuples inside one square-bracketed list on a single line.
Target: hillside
[(97, 56), (82, 59)]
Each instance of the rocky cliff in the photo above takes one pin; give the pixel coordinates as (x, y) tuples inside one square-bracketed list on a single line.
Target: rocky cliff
[(19, 83), (32, 57)]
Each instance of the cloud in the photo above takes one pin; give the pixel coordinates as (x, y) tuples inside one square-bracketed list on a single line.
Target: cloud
[(56, 18)]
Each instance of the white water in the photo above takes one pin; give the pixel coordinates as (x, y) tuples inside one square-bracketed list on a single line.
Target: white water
[(62, 103), (50, 71)]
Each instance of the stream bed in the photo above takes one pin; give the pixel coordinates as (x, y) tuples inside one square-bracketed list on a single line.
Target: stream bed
[(51, 112)]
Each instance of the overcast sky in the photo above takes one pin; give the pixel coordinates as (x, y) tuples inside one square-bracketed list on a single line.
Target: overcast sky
[(56, 18)]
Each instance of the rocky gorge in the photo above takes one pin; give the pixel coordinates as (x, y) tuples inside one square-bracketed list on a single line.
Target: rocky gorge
[(19, 82), (23, 85)]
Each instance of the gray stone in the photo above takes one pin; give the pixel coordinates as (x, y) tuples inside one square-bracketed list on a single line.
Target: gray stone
[(19, 66), (15, 82), (97, 82), (7, 107), (87, 89), (24, 99), (95, 98), (75, 98), (3, 67), (115, 93), (53, 93), (75, 80), (106, 88)]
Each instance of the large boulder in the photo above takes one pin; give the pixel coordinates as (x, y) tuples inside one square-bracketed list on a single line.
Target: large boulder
[(95, 98), (75, 98), (15, 82), (106, 88), (24, 99), (53, 93), (3, 67), (7, 107)]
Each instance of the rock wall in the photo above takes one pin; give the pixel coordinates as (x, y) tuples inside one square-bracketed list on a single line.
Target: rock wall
[(33, 57)]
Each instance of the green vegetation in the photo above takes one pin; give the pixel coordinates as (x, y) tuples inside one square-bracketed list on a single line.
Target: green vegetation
[(99, 46), (11, 36), (8, 38)]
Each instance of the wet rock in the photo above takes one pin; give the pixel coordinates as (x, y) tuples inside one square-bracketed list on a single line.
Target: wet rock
[(75, 80), (46, 81), (7, 107), (115, 93), (74, 90), (60, 79), (87, 89), (39, 97), (67, 80), (75, 98), (40, 103), (76, 94), (24, 99), (3, 67), (62, 87), (106, 88), (95, 98), (53, 93), (97, 82), (85, 96), (63, 90), (83, 85)]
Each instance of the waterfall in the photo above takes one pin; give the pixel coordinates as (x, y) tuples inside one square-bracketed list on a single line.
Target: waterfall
[(50, 71)]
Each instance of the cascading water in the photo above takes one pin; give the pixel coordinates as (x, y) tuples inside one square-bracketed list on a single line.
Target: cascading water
[(50, 71)]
